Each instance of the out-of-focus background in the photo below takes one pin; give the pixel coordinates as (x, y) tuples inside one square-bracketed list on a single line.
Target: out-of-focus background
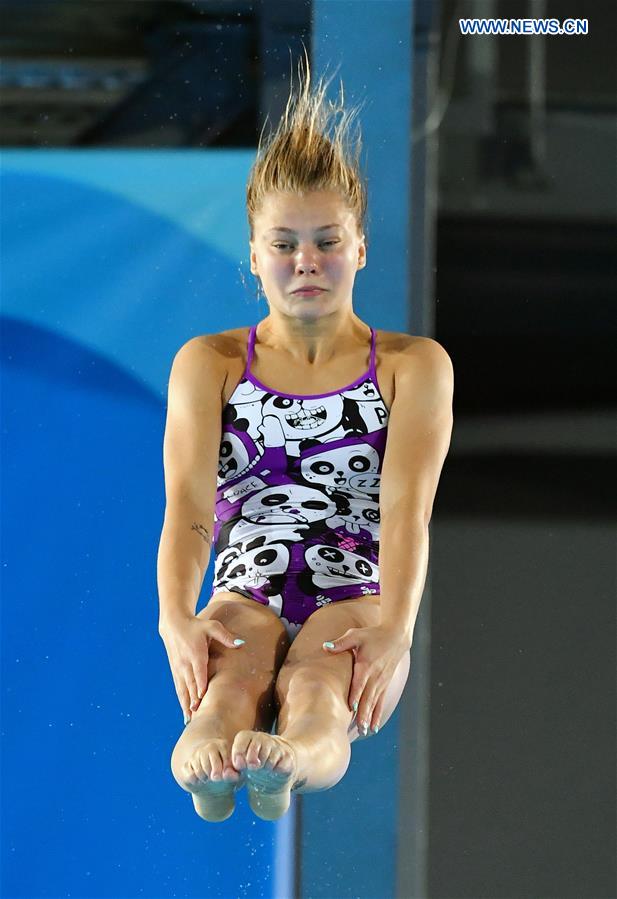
[(128, 131)]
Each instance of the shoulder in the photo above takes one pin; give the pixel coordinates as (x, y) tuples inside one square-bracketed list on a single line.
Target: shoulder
[(421, 366), (225, 344), (412, 352), (210, 356)]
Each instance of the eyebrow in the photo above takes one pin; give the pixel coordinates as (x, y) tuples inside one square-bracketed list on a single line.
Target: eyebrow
[(291, 231)]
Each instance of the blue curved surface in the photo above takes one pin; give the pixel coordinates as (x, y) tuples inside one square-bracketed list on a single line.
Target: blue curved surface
[(90, 715)]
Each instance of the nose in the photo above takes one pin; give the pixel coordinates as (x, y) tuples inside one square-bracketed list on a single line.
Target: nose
[(305, 265)]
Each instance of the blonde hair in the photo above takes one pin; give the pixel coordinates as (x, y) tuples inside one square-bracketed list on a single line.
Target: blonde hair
[(299, 156)]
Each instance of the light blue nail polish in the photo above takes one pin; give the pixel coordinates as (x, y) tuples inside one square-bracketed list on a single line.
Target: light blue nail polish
[(239, 642), (329, 645), (376, 729), (355, 706)]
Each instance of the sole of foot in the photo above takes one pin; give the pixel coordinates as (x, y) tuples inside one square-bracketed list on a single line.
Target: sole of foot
[(212, 781), (270, 764)]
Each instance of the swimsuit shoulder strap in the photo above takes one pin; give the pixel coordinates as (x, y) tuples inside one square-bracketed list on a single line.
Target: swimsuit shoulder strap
[(251, 347), (372, 362)]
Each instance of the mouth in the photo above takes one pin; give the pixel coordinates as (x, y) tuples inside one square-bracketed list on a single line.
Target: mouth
[(306, 419), (308, 292)]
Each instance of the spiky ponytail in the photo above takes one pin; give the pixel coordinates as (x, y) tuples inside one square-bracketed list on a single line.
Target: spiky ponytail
[(300, 155)]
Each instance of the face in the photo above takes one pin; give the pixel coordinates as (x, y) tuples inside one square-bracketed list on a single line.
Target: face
[(307, 253)]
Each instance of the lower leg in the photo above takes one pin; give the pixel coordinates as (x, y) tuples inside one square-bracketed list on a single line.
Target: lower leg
[(314, 719), (229, 705)]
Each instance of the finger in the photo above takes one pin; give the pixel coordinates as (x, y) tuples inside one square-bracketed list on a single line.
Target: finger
[(367, 706), (375, 721), (183, 696), (188, 691), (200, 672), (341, 644), (200, 680), (357, 689), (216, 630), (192, 690)]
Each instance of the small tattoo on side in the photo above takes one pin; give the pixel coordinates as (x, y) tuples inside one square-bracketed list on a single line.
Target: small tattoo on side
[(201, 530)]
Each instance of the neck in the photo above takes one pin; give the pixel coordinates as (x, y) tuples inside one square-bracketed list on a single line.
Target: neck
[(313, 342)]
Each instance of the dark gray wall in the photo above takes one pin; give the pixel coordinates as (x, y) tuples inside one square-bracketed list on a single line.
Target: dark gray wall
[(522, 792)]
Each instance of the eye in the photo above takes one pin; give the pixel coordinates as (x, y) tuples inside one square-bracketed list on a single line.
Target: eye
[(324, 243)]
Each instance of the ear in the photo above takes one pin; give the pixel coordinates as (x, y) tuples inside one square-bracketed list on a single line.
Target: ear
[(253, 259), (362, 254)]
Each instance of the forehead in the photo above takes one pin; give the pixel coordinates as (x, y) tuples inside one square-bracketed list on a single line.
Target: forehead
[(305, 211)]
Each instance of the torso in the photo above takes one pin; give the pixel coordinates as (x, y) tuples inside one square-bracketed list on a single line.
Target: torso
[(271, 370), (297, 499)]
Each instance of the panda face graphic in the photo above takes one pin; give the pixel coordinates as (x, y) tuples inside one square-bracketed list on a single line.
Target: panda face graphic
[(233, 457), (254, 567), (305, 417), (336, 567), (288, 504), (364, 513), (344, 468)]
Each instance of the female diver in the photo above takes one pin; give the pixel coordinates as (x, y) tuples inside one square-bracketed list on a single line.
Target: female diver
[(316, 497)]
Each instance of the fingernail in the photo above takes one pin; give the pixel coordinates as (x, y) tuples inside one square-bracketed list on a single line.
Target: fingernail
[(239, 642), (328, 645), (376, 729), (355, 706), (186, 720)]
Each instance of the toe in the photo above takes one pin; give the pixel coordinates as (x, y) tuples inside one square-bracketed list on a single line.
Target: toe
[(216, 766), (242, 752)]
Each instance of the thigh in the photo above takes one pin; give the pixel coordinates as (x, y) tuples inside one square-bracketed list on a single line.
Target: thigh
[(306, 654), (327, 623), (266, 638), (334, 619)]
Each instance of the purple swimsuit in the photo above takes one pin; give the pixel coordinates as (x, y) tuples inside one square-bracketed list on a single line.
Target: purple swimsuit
[(297, 501)]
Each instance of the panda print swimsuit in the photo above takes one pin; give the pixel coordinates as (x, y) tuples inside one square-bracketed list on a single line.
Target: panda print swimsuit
[(296, 522)]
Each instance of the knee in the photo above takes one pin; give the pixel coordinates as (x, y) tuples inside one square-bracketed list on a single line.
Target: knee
[(319, 683)]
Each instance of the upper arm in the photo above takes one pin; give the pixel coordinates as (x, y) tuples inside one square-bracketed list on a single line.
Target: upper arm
[(193, 427), (419, 431)]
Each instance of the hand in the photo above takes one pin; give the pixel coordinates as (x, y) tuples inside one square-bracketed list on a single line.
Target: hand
[(377, 652), (187, 641)]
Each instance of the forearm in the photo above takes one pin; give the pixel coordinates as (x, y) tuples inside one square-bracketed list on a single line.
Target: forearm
[(184, 553), (403, 565)]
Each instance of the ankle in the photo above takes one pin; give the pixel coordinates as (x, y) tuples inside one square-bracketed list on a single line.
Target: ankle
[(207, 724), (322, 760), (221, 722)]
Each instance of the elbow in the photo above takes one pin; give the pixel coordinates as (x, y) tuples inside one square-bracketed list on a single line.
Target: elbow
[(415, 524)]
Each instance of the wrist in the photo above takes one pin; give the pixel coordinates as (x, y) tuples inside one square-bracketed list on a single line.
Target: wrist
[(396, 632), (169, 620)]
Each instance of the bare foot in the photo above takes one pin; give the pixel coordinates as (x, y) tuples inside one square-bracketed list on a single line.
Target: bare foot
[(210, 777), (270, 764)]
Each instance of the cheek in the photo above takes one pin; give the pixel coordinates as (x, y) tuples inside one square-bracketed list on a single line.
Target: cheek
[(275, 271), (337, 266)]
